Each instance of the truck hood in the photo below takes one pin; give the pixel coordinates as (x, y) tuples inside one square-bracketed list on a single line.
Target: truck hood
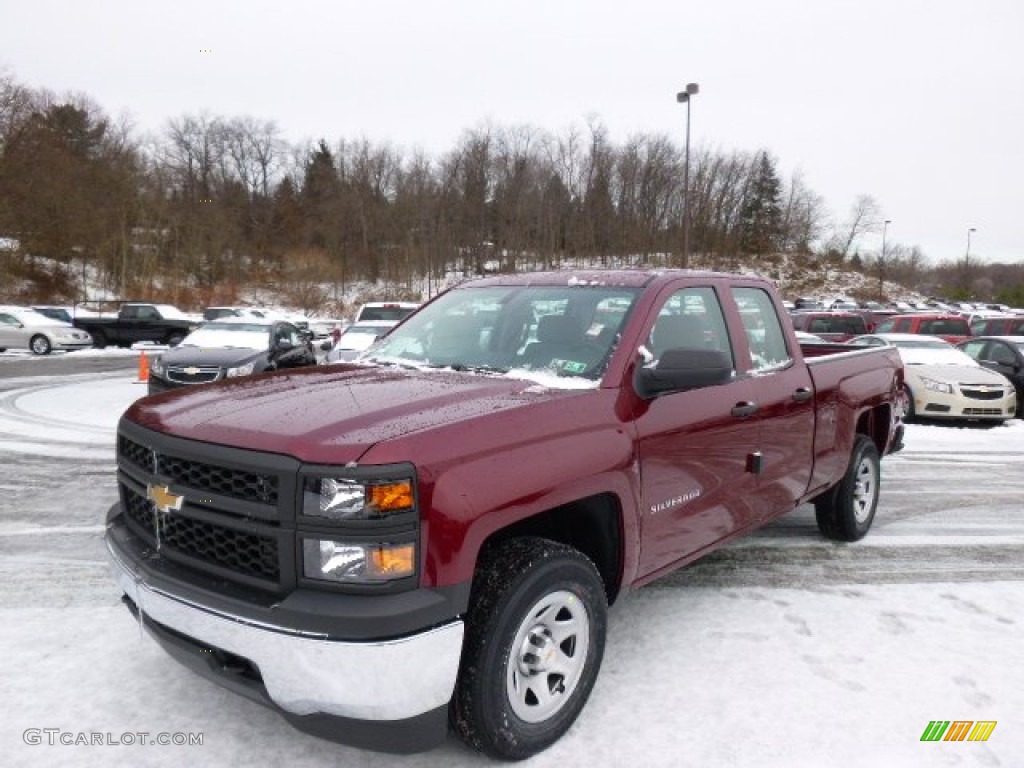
[(330, 414)]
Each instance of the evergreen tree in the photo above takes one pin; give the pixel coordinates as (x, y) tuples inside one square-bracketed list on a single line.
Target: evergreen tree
[(761, 213)]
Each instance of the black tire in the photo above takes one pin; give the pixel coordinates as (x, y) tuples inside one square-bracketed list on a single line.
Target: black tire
[(99, 339), (40, 345), (175, 339), (523, 589), (845, 513), (908, 413)]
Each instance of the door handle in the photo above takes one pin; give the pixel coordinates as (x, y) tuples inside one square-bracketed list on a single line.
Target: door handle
[(742, 410), (803, 394)]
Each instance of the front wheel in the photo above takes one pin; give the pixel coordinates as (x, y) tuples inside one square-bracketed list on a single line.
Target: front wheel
[(99, 339), (40, 345), (845, 513), (534, 643)]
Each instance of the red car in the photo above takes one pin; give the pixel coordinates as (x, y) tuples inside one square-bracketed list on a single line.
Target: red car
[(831, 326), (952, 328)]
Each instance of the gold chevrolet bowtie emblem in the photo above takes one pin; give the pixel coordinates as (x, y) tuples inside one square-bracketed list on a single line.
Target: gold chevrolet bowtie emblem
[(191, 370), (163, 499)]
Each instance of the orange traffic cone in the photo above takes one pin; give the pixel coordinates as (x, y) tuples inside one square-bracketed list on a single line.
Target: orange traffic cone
[(143, 369)]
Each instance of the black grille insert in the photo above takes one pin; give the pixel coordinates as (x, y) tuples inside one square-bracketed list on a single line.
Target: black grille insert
[(225, 481), (245, 553)]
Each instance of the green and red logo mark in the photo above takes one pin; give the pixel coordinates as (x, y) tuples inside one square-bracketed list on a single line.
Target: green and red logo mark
[(958, 730)]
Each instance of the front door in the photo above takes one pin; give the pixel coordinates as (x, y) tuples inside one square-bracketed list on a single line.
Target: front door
[(693, 445)]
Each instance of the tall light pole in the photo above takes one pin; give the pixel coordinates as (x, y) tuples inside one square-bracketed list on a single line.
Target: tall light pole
[(967, 263), (881, 262), (683, 97)]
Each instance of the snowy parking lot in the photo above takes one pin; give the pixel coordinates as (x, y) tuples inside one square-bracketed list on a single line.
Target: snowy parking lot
[(783, 649)]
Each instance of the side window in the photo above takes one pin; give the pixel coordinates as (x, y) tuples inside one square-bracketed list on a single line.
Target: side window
[(902, 325), (764, 331), (885, 326), (8, 320), (1001, 354), (691, 319), (974, 348)]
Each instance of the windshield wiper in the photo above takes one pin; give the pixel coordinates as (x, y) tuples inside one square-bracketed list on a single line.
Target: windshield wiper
[(464, 367)]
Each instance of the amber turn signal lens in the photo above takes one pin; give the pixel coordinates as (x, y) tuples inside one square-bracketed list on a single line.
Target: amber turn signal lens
[(392, 562), (391, 497)]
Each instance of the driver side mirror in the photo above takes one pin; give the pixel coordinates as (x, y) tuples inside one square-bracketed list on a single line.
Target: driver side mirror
[(683, 369)]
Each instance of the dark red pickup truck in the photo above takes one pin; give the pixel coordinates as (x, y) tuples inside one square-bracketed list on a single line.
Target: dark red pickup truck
[(431, 536)]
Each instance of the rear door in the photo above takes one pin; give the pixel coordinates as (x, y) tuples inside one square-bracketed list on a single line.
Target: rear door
[(693, 446), (784, 395)]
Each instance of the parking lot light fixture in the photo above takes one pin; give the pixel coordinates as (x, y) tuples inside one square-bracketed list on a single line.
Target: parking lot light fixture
[(683, 97)]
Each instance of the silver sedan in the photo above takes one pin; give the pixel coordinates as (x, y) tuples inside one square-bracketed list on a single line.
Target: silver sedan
[(22, 328)]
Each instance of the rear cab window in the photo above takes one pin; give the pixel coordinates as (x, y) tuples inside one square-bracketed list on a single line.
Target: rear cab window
[(765, 337)]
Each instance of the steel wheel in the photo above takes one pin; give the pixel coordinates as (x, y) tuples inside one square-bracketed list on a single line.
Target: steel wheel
[(846, 511), (548, 656), (865, 490), (535, 632)]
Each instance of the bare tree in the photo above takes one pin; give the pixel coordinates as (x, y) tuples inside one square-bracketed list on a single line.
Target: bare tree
[(865, 217)]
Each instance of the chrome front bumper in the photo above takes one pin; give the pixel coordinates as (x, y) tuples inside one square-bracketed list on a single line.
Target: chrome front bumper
[(307, 674)]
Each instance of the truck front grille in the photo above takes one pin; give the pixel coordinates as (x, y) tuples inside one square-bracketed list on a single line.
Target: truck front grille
[(242, 552), (236, 483)]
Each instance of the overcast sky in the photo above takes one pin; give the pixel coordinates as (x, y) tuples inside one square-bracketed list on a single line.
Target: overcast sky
[(919, 103)]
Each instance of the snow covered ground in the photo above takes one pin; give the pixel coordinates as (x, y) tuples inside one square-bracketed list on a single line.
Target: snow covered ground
[(783, 650)]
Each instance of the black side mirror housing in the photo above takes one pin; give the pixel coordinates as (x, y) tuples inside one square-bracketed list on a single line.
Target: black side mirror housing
[(682, 369)]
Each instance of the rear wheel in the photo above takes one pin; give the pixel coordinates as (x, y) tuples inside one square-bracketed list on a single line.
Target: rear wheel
[(534, 642), (99, 339), (907, 401), (40, 345), (846, 512)]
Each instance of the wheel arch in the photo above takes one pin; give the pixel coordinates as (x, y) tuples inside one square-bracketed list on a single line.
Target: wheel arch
[(879, 424), (593, 525)]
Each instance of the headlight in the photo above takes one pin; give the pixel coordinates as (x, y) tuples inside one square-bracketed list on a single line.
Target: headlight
[(242, 370), (357, 562), (157, 367), (340, 498), (937, 386)]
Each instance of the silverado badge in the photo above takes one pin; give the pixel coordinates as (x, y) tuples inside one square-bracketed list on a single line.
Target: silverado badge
[(163, 499)]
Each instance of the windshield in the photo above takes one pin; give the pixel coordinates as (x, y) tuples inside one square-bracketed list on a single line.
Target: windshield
[(561, 332), (388, 312), (922, 343), (170, 313), (936, 356), (31, 317), (361, 337), (214, 334)]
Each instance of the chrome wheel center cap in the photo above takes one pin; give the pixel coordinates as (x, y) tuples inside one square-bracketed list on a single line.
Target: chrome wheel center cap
[(537, 650)]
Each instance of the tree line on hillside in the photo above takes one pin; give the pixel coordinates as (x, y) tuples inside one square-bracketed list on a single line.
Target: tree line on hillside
[(211, 205)]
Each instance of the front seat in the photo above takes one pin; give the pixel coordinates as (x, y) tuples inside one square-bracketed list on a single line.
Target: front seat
[(557, 337)]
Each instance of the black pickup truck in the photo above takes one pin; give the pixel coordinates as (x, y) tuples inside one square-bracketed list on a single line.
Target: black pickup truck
[(137, 321)]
